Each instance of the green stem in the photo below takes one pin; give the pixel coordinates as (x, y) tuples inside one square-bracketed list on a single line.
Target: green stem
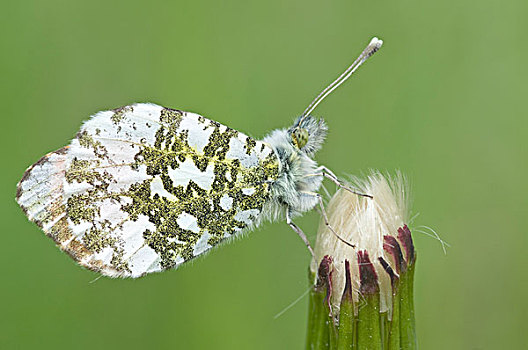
[(394, 332), (407, 323), (368, 325), (347, 327), (332, 329), (385, 324), (347, 320), (318, 335), (369, 335), (321, 330)]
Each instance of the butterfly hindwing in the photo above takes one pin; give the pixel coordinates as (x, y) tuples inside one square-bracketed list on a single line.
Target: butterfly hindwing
[(144, 188)]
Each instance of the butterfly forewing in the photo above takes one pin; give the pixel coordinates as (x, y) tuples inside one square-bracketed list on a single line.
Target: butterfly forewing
[(144, 188)]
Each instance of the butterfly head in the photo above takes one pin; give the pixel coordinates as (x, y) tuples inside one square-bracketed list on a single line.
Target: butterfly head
[(307, 134)]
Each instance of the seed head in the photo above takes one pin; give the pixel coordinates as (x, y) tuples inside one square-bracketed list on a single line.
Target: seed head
[(376, 227)]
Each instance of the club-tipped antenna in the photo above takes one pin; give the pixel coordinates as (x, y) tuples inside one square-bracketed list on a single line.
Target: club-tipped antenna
[(371, 48)]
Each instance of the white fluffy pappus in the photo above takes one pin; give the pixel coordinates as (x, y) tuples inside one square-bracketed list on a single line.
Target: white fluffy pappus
[(363, 222)]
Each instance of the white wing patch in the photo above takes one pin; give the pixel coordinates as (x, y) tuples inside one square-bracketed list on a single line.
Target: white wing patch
[(144, 188), (188, 171)]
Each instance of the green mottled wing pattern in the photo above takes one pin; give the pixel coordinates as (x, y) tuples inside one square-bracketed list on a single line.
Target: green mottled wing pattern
[(145, 188)]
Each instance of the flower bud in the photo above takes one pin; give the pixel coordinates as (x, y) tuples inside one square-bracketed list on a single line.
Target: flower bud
[(369, 294)]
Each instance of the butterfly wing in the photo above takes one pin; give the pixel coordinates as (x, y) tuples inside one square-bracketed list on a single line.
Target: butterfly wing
[(145, 188)]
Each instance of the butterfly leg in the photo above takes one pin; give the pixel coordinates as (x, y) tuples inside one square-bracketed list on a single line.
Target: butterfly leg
[(325, 218), (332, 177), (299, 232)]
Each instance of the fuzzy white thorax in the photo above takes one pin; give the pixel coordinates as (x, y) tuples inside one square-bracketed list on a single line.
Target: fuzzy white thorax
[(299, 178), (363, 222)]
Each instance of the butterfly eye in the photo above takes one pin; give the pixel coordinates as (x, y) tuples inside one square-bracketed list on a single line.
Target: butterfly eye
[(299, 137)]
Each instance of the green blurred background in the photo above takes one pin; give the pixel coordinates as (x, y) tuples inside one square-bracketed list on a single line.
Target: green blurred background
[(442, 101)]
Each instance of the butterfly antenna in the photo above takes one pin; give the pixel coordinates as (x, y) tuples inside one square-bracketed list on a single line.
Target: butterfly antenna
[(371, 48)]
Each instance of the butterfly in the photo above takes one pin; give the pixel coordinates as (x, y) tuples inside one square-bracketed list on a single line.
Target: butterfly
[(144, 188)]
